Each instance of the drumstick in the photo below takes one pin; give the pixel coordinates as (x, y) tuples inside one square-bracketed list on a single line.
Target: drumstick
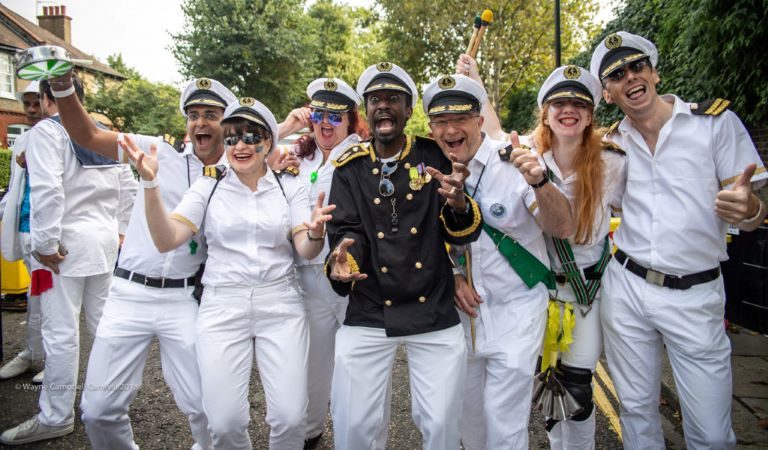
[(478, 22), (472, 328), (486, 19)]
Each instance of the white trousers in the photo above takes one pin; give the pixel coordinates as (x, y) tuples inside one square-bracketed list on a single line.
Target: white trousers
[(360, 395), (234, 323), (325, 314), (499, 386), (583, 354), (34, 349), (133, 316), (638, 319), (61, 340)]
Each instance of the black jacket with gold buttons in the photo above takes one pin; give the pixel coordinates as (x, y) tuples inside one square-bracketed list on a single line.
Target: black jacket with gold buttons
[(409, 289)]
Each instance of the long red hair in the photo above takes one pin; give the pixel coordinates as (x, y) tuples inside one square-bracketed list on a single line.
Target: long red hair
[(589, 174), (306, 145)]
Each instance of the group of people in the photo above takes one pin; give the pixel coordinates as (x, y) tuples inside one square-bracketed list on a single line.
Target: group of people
[(479, 252)]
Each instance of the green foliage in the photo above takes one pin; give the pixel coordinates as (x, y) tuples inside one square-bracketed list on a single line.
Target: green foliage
[(522, 107), (138, 105), (5, 167), (707, 49)]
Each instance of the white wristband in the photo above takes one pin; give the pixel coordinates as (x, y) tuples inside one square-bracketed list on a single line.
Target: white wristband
[(62, 94), (760, 207), (149, 184)]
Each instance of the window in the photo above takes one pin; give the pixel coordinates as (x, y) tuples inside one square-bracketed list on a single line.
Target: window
[(7, 76), (15, 131)]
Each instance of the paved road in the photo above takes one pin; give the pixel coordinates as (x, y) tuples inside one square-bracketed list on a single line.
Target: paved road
[(157, 424)]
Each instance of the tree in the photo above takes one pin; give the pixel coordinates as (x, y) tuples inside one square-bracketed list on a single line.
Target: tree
[(138, 105), (265, 49)]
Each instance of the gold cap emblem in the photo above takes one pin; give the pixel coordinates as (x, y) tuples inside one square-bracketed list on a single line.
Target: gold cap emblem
[(384, 66), (613, 41), (447, 82), (247, 101), (572, 72), (330, 85), (203, 83)]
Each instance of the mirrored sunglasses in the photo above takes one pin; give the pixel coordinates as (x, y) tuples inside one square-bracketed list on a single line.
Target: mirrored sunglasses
[(634, 66), (333, 118), (247, 138)]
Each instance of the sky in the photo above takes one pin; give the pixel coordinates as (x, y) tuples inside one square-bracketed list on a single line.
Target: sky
[(140, 30)]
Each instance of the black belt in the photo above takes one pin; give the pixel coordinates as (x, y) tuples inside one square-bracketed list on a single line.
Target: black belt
[(590, 273), (664, 280), (154, 282)]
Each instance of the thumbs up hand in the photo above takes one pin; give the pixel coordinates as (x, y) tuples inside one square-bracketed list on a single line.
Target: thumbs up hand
[(737, 203)]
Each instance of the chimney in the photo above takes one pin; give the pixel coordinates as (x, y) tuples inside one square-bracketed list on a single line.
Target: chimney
[(56, 21)]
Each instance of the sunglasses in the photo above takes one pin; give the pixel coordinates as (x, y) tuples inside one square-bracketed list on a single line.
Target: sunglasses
[(634, 66), (247, 138), (386, 187), (333, 118)]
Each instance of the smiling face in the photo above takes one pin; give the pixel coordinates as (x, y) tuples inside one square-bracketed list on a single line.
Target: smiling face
[(245, 158), (205, 132), (457, 134), (635, 92), (327, 135), (568, 117), (388, 112)]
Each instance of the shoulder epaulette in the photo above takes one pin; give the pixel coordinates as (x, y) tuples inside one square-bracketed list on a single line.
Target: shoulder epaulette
[(506, 153), (612, 147), (710, 107), (612, 128), (177, 144), (216, 172), (291, 170), (351, 153)]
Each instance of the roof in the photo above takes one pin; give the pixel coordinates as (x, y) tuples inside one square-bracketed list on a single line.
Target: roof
[(17, 32)]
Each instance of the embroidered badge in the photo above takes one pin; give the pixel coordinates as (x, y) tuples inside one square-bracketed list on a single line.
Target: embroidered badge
[(247, 101), (203, 83), (447, 82), (330, 85), (613, 41), (572, 72), (498, 210), (384, 66)]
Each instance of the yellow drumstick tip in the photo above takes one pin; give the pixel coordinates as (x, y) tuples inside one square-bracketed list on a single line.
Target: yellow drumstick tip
[(487, 16)]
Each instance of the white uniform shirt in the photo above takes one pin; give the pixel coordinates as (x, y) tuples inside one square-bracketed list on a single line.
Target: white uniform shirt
[(322, 184), (247, 232), (614, 178), (11, 203), (177, 173), (668, 210), (508, 204), (72, 205)]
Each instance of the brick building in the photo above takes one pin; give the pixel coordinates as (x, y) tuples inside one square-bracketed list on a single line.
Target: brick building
[(17, 33)]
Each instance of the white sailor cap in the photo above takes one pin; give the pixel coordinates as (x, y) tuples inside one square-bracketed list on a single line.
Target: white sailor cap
[(386, 75), (618, 49), (32, 88), (332, 94), (571, 82), (453, 94), (205, 91), (252, 110)]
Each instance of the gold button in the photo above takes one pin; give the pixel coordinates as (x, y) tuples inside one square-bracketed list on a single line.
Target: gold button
[(418, 265), (388, 302), (409, 196), (384, 269), (380, 235), (414, 230), (375, 171), (407, 165), (376, 201), (422, 299)]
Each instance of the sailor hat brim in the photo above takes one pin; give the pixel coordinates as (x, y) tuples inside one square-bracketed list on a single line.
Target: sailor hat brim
[(32, 88), (570, 82), (453, 94), (205, 92), (618, 49), (254, 111), (387, 76), (332, 94)]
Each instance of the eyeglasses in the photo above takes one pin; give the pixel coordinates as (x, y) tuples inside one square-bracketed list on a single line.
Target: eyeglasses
[(210, 116), (333, 118), (441, 124), (386, 187), (634, 66), (247, 138)]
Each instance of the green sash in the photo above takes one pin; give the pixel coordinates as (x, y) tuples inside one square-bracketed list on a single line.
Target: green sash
[(585, 291), (525, 265)]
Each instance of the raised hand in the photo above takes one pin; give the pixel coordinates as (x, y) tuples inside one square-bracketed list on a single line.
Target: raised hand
[(340, 268), (466, 297), (297, 119), (320, 215), (452, 186), (466, 65), (284, 160), (735, 204), (526, 161), (146, 164)]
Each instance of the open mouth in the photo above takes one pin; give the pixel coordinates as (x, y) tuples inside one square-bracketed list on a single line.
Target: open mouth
[(202, 139), (568, 121), (242, 156), (385, 124), (636, 92), (455, 144), (326, 132)]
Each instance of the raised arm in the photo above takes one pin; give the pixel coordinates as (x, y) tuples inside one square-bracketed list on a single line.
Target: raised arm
[(466, 65)]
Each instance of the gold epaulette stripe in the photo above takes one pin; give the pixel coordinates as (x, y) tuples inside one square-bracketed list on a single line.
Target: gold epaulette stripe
[(533, 207), (713, 107), (185, 221), (732, 179), (476, 219), (349, 154)]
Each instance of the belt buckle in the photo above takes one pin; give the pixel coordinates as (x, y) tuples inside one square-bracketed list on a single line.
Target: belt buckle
[(655, 277)]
